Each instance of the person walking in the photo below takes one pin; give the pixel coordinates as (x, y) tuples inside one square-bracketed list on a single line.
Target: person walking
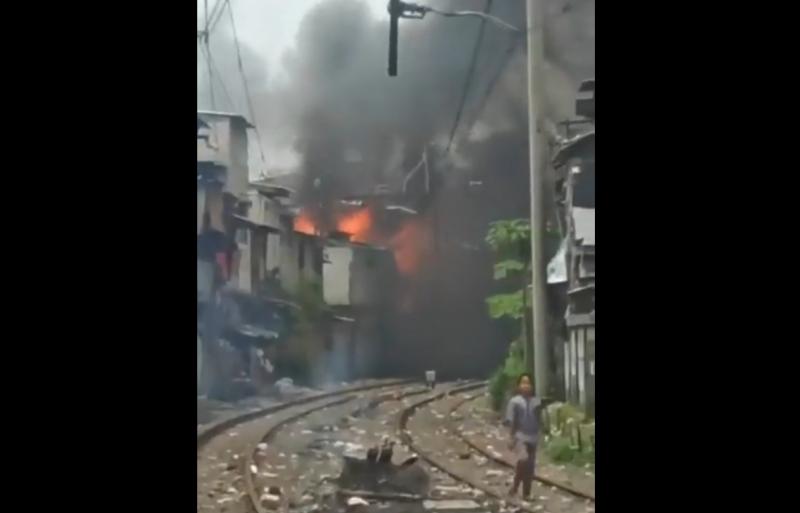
[(522, 416)]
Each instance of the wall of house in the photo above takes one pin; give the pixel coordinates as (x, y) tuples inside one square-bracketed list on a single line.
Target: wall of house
[(291, 271), (244, 236), (336, 275), (227, 147), (273, 260), (579, 363)]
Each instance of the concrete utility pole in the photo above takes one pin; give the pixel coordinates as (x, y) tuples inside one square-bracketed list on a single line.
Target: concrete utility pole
[(538, 166)]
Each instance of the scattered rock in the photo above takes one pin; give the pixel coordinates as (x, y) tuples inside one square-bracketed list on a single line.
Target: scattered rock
[(356, 501), (270, 501), (478, 493), (446, 490), (455, 506), (262, 446)]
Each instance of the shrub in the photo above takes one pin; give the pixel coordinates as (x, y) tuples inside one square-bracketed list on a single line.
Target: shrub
[(502, 382)]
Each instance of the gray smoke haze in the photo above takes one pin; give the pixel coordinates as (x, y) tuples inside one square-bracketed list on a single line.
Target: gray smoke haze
[(337, 105), (352, 127)]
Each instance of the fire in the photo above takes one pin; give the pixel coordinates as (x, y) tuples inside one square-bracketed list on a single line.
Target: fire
[(357, 225), (304, 224), (408, 245)]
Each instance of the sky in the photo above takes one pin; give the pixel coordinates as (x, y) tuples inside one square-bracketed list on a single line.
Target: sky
[(270, 26)]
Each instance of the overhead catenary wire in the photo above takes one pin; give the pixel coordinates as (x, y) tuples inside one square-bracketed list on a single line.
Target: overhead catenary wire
[(483, 15), (248, 97), (228, 97), (470, 75), (208, 53), (216, 14), (505, 59)]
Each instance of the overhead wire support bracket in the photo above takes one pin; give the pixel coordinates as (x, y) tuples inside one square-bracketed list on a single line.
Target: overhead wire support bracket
[(398, 9)]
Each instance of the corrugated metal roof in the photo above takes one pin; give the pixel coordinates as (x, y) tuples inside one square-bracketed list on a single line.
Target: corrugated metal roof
[(269, 189), (250, 222), (229, 115), (571, 147), (583, 221)]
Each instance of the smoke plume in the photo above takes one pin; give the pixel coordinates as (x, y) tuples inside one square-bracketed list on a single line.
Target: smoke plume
[(353, 127)]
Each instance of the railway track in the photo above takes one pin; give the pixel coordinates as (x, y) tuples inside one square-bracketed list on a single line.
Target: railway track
[(222, 447), (486, 453), (552, 498), (331, 416), (275, 441)]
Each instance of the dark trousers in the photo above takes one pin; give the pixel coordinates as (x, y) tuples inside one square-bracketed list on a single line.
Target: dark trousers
[(523, 473)]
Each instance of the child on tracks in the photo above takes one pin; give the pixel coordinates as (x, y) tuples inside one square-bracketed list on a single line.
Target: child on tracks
[(522, 417)]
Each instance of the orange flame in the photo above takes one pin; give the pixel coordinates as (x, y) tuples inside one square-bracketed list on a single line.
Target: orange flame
[(408, 245), (304, 224), (357, 225)]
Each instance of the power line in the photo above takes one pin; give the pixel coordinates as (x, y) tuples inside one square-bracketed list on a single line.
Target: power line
[(228, 97), (216, 14), (244, 81), (470, 74), (484, 16), (505, 59), (208, 52)]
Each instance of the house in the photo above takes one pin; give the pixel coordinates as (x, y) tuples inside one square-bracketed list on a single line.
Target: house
[(358, 288), (573, 267), (259, 238), (222, 176)]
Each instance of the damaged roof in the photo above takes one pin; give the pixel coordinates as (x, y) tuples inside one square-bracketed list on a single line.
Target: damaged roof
[(272, 190), (208, 114), (573, 147), (255, 224)]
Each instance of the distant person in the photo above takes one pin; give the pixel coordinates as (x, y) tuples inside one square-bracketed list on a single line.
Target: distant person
[(430, 379), (522, 417)]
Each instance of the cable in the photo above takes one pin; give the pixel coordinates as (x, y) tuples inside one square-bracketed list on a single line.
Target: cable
[(483, 15), (216, 14), (244, 82), (470, 74), (208, 52), (505, 59), (222, 83)]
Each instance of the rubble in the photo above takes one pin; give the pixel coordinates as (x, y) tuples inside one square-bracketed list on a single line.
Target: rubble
[(270, 501), (453, 506)]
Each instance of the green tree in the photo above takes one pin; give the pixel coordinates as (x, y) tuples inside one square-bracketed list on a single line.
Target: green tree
[(510, 241)]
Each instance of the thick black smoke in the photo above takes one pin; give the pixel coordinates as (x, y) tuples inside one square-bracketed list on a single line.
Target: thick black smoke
[(354, 127)]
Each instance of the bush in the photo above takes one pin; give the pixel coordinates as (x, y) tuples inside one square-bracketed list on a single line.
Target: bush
[(561, 449), (502, 382)]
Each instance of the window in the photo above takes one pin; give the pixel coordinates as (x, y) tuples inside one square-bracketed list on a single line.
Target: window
[(583, 186), (243, 236), (586, 266)]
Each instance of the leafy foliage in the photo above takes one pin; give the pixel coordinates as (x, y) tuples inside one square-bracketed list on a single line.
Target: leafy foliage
[(504, 268), (506, 305), (503, 380), (509, 236), (510, 240)]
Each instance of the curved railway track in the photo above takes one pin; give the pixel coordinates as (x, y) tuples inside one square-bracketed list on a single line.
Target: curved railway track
[(491, 455), (559, 498), (220, 467), (278, 428)]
